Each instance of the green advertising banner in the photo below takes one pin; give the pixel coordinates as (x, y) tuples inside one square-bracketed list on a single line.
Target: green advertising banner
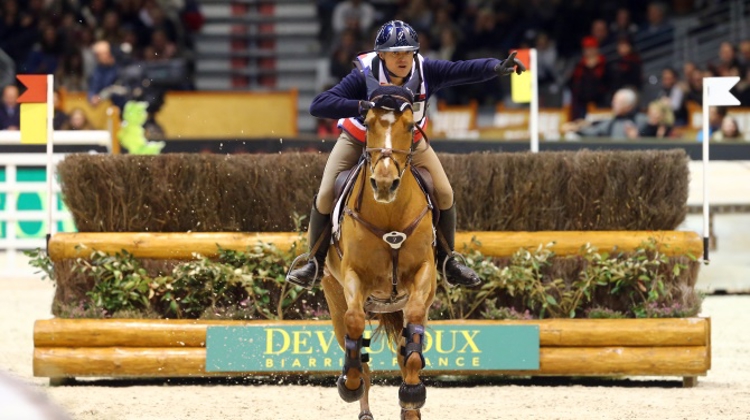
[(31, 201), (313, 348)]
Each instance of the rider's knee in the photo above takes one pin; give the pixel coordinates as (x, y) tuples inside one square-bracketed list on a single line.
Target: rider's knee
[(444, 196)]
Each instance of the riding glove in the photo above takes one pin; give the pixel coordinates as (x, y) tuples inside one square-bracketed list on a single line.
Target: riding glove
[(517, 66), (365, 106)]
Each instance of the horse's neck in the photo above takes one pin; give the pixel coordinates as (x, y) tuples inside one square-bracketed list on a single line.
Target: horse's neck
[(396, 214)]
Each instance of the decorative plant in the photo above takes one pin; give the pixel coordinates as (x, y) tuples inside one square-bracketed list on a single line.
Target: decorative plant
[(132, 135)]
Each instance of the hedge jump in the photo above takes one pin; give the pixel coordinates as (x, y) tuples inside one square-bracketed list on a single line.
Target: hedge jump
[(69, 348), (184, 246)]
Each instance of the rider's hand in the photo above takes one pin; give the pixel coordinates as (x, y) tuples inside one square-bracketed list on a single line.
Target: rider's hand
[(365, 106), (506, 68)]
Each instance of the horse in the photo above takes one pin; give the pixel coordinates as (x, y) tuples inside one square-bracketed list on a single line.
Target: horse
[(383, 262)]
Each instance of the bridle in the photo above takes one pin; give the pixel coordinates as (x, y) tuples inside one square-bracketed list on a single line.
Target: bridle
[(386, 152)]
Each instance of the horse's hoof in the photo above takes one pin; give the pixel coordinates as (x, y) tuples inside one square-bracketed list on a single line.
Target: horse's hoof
[(350, 395), (412, 397), (366, 415)]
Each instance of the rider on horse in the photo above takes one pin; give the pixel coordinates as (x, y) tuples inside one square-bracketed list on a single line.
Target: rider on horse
[(396, 60)]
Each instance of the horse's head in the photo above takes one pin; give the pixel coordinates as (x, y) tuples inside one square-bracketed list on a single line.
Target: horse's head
[(390, 134)]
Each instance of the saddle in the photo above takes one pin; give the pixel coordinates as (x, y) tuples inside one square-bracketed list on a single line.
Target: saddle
[(344, 186)]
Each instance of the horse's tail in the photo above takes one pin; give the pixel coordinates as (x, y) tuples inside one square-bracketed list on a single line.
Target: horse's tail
[(392, 324)]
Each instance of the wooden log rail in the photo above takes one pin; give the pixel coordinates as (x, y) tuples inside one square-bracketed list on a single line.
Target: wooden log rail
[(67, 348), (184, 246)]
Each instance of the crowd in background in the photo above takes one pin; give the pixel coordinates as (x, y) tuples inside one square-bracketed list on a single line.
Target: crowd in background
[(101, 47), (587, 51)]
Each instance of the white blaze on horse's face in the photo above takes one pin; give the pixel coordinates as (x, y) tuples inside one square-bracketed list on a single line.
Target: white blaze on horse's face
[(386, 131)]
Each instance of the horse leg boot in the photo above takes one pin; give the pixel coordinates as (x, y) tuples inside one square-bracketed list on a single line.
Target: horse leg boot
[(319, 239), (353, 359), (455, 272), (412, 397)]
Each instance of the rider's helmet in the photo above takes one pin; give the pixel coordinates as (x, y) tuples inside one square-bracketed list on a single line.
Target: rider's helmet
[(396, 35)]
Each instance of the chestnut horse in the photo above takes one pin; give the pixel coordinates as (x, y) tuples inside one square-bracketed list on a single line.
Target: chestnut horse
[(383, 264)]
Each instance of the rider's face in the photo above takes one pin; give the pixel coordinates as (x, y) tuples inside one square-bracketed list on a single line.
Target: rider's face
[(398, 62)]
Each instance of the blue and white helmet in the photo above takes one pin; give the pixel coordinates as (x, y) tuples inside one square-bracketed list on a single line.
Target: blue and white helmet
[(396, 35)]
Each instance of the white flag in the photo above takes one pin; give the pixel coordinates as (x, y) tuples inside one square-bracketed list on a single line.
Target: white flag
[(717, 91)]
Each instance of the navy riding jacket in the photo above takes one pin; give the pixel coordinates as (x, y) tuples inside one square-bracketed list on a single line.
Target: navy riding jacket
[(342, 100)]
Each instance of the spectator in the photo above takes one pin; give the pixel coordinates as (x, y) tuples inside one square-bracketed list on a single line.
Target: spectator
[(587, 83), (716, 116), (600, 32), (418, 14), (7, 69), (744, 56), (10, 111), (484, 36), (695, 87), (93, 12), (105, 75), (110, 29), (626, 122), (656, 26), (443, 21), (358, 15), (623, 25), (43, 59), (626, 70), (727, 60), (77, 121), (341, 59), (660, 120), (673, 95), (161, 48), (728, 132), (70, 74), (60, 117), (546, 60)]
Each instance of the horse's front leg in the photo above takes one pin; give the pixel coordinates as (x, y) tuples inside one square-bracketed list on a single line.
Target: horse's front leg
[(412, 394), (351, 384)]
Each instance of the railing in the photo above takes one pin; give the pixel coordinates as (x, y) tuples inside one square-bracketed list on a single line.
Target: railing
[(23, 192)]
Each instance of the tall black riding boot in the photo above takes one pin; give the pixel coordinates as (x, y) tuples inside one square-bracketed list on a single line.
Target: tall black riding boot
[(456, 273), (320, 236)]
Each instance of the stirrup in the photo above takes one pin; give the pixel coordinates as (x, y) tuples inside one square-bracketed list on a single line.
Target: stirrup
[(456, 255), (294, 263)]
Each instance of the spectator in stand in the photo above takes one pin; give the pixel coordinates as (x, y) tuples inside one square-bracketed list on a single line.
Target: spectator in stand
[(660, 120), (60, 117), (626, 122), (600, 32), (626, 70), (672, 94), (657, 27), (77, 121), (588, 84), (70, 75), (44, 58), (444, 20), (161, 48), (484, 36), (418, 14), (695, 87), (7, 69), (93, 12), (744, 53), (341, 59), (623, 25), (727, 60), (18, 32), (110, 29), (729, 131), (105, 75), (716, 116), (10, 110), (549, 74), (153, 17), (358, 15)]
